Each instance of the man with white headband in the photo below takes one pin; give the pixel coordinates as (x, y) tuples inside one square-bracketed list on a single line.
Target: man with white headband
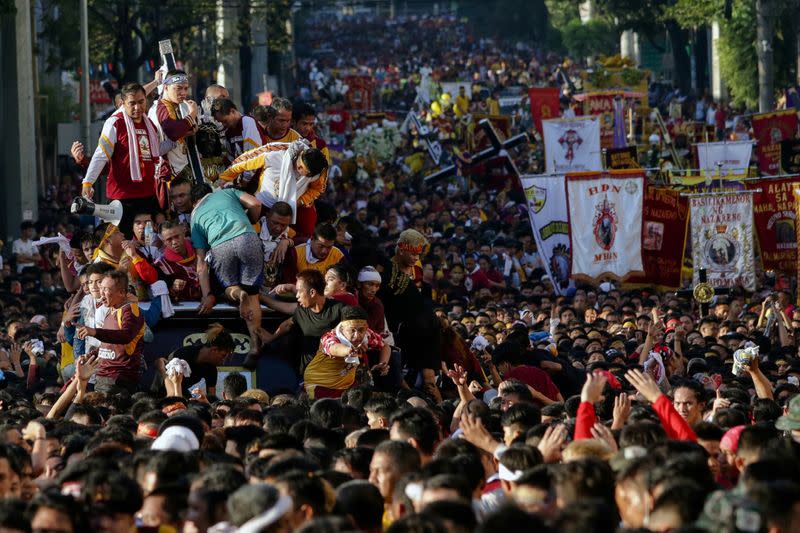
[(164, 114), (129, 146)]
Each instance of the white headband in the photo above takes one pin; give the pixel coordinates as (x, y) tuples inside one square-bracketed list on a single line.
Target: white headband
[(263, 521), (507, 475), (369, 274)]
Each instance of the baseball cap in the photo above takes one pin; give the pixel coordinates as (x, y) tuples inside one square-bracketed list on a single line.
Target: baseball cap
[(176, 438)]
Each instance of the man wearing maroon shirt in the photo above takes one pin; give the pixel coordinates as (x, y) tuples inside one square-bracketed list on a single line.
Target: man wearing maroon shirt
[(486, 277), (120, 351), (165, 114), (129, 146)]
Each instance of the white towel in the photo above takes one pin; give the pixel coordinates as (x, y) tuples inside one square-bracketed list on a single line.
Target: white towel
[(160, 289), (133, 144)]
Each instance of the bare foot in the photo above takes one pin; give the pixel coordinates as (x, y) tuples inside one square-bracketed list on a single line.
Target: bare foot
[(244, 307)]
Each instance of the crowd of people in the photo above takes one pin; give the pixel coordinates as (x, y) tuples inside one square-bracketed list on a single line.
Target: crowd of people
[(445, 386)]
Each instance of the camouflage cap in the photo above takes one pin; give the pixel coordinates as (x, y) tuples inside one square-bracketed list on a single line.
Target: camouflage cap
[(791, 420)]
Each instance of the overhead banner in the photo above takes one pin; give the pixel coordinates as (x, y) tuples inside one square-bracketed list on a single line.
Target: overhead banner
[(790, 156), (605, 220), (572, 145), (665, 221), (725, 157), (770, 129), (545, 104), (722, 239), (547, 210), (774, 215), (622, 158)]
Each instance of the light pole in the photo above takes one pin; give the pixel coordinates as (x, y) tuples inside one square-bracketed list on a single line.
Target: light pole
[(86, 118)]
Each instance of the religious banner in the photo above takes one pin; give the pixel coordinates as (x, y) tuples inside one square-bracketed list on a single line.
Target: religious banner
[(722, 239), (725, 157), (774, 217), (572, 145), (605, 220), (545, 104), (769, 130), (601, 104), (790, 156), (665, 218), (547, 210), (621, 158), (359, 92)]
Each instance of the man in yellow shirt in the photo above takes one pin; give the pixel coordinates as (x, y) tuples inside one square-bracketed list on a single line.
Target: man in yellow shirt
[(462, 102), (275, 122)]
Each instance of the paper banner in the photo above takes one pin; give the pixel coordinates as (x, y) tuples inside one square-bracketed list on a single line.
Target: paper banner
[(774, 217), (605, 216), (725, 157), (769, 130), (665, 218), (545, 104), (722, 239), (547, 210), (572, 145)]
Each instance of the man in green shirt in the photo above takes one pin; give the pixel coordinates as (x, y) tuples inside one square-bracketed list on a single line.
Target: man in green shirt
[(222, 224)]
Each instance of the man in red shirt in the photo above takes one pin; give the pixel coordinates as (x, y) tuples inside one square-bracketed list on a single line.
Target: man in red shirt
[(120, 351), (485, 276), (508, 361), (129, 145)]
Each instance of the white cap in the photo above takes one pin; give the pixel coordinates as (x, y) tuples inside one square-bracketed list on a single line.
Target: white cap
[(177, 439)]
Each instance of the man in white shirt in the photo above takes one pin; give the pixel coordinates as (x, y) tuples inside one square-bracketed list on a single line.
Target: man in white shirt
[(25, 252)]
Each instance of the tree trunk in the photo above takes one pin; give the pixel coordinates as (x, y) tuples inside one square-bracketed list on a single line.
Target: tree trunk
[(765, 32), (680, 58)]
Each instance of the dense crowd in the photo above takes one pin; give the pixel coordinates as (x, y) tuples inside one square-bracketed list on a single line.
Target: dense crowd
[(445, 385)]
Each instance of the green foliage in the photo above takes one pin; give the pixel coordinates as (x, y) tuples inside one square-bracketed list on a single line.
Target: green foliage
[(7, 7), (737, 54), (596, 37), (562, 12), (695, 13)]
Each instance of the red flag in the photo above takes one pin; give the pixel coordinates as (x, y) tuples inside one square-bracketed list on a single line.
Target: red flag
[(774, 217), (545, 104), (769, 130)]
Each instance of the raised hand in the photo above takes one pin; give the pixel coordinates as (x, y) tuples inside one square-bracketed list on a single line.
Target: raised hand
[(601, 432), (85, 366), (593, 387), (552, 442), (622, 410)]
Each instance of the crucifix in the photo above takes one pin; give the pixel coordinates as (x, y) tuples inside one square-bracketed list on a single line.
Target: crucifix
[(496, 149), (703, 292)]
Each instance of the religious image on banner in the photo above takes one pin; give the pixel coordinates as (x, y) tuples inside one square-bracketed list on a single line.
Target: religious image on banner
[(724, 157), (572, 145), (770, 129), (547, 210), (774, 216), (545, 104), (665, 221), (722, 239), (790, 156), (605, 220)]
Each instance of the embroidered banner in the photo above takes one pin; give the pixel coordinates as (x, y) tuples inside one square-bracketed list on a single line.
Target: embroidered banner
[(665, 218), (774, 216), (622, 158), (727, 157), (722, 239), (769, 130), (605, 216), (545, 104), (547, 210), (572, 145)]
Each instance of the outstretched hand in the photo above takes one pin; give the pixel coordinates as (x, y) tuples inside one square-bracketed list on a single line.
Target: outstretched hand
[(645, 384)]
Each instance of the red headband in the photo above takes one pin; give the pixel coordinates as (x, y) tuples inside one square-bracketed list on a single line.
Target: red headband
[(410, 248)]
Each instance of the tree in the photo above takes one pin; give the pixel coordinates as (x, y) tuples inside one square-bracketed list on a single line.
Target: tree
[(596, 37), (515, 19)]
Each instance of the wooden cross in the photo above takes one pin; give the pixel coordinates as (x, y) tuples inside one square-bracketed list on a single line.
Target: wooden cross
[(703, 293), (484, 155)]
